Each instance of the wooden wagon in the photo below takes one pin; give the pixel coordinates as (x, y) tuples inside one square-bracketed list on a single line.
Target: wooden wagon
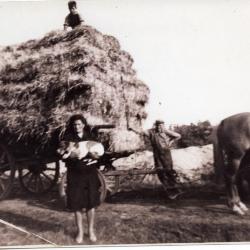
[(38, 174)]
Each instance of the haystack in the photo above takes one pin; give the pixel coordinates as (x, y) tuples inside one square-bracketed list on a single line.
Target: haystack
[(43, 82)]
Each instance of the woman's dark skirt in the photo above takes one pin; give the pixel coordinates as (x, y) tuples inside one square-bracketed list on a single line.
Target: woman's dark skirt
[(83, 187)]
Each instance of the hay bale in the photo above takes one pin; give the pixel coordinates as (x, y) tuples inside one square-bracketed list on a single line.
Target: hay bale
[(120, 140), (45, 81)]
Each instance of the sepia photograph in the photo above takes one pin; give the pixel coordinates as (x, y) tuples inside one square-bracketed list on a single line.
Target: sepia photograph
[(124, 123)]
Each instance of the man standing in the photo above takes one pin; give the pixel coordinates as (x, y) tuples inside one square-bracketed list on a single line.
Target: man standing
[(161, 140), (73, 19)]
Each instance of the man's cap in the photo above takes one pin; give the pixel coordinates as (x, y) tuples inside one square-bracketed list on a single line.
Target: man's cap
[(159, 122)]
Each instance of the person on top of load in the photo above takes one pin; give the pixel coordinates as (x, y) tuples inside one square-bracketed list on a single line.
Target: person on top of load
[(161, 140), (73, 19)]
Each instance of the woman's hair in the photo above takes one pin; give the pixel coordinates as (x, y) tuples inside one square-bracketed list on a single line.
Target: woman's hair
[(73, 118), (71, 4)]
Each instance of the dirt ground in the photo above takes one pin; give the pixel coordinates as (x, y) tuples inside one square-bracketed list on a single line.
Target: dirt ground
[(142, 216)]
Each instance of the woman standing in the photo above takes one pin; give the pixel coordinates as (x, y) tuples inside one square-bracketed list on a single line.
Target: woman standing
[(83, 184)]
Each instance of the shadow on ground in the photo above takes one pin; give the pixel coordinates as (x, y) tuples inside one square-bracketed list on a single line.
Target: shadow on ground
[(144, 196)]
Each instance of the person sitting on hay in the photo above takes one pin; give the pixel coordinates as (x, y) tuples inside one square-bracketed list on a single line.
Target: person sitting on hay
[(161, 140), (83, 184), (73, 19)]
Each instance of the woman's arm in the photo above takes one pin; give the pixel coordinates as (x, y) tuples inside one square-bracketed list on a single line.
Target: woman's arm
[(142, 133)]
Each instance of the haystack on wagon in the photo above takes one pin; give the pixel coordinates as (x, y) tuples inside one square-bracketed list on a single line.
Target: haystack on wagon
[(43, 82)]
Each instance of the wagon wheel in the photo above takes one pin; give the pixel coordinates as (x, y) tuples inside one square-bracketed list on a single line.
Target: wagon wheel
[(117, 183), (7, 172), (112, 184), (124, 182), (63, 186), (39, 178), (103, 187)]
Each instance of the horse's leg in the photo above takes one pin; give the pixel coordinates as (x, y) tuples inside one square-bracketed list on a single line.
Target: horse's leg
[(242, 183), (232, 191)]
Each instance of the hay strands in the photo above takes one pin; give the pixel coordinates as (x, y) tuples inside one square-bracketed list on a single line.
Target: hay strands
[(26, 232)]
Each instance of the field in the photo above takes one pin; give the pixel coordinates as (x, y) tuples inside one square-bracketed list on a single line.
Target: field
[(141, 216)]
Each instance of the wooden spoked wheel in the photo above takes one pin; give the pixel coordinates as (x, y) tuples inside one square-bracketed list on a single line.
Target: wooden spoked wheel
[(7, 172), (112, 184), (39, 178), (103, 188), (63, 186)]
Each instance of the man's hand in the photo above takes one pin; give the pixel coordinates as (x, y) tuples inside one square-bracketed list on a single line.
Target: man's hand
[(171, 143)]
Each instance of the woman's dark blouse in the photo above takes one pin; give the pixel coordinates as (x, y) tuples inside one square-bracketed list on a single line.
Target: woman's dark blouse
[(83, 183)]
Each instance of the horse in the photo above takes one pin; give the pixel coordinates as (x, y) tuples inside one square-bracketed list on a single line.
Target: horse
[(232, 155), (80, 150)]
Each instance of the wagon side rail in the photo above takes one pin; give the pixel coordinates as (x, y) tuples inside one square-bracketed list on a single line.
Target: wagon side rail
[(114, 178), (134, 172)]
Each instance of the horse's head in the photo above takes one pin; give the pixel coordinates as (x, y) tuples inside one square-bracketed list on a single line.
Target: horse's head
[(79, 150)]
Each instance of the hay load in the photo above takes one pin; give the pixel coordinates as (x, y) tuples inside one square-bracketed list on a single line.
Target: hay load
[(45, 81)]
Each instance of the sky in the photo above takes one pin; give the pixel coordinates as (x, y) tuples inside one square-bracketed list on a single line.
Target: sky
[(193, 54)]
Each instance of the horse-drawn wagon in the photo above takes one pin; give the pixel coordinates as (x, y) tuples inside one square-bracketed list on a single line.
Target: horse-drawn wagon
[(44, 81), (38, 171)]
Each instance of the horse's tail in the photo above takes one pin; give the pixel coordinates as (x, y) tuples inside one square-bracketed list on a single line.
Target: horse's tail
[(219, 163)]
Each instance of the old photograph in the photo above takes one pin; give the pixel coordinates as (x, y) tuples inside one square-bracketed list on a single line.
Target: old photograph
[(124, 122)]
